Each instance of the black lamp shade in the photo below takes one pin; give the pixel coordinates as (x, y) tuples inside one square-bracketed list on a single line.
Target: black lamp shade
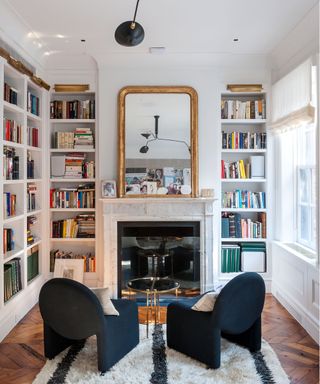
[(144, 149), (128, 36)]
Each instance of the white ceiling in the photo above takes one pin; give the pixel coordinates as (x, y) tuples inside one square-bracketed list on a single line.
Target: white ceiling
[(182, 26)]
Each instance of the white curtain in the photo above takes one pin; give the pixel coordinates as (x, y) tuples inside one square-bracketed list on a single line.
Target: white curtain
[(291, 99)]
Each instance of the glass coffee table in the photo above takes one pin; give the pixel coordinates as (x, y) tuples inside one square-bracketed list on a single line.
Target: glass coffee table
[(153, 287)]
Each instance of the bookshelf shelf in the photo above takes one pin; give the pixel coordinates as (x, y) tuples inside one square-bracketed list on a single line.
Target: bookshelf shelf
[(244, 182), (20, 159), (72, 240), (71, 150), (72, 121), (13, 218), (64, 180), (12, 107), (36, 242), (243, 121), (243, 150), (243, 210), (70, 132)]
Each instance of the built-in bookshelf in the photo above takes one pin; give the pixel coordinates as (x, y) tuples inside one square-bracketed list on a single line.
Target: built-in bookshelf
[(244, 193), (73, 186), (22, 116)]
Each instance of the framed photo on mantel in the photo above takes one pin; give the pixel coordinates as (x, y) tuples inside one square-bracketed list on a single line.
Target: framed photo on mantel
[(108, 189)]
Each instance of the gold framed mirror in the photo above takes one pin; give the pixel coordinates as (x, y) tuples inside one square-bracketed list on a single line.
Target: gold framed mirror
[(158, 141)]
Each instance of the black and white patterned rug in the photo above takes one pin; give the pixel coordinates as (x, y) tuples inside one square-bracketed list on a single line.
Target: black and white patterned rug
[(152, 362)]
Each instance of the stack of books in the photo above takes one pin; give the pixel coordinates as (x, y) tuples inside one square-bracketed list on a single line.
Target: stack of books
[(12, 131), (33, 137), (12, 278), (10, 164), (8, 240), (230, 258), (233, 226), (10, 94), (244, 140), (32, 263), (31, 220), (83, 138), (243, 199), (239, 109), (80, 197), (89, 261), (86, 225), (9, 204), (31, 197), (63, 140), (75, 109), (74, 165), (33, 104), (253, 257)]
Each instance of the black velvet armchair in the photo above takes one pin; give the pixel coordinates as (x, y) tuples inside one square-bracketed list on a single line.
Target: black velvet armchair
[(236, 316), (72, 312)]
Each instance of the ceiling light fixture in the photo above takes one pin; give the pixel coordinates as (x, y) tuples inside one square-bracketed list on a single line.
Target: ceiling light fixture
[(130, 33), (145, 148)]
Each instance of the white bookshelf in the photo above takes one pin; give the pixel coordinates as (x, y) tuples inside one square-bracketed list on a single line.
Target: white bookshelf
[(75, 245), (13, 309), (233, 155)]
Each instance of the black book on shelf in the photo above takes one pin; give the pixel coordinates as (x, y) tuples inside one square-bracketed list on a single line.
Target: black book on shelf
[(15, 168)]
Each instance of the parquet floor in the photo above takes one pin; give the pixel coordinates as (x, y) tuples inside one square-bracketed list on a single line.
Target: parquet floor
[(21, 352)]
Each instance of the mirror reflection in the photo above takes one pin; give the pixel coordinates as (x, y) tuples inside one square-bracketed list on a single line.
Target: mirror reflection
[(157, 144)]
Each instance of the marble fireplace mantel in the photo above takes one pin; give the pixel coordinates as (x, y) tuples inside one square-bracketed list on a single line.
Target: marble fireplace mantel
[(157, 209)]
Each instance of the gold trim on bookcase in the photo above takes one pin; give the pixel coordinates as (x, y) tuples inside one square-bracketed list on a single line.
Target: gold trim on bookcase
[(71, 87), (244, 87), (20, 67), (193, 135)]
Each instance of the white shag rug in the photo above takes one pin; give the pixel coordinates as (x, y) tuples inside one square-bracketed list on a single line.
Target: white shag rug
[(153, 362)]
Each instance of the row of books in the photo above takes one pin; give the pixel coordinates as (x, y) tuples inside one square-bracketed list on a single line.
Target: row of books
[(72, 166), (33, 104), (81, 138), (234, 226), (81, 197), (82, 226), (12, 278), (235, 170), (9, 204), (10, 164), (243, 199), (89, 260), (244, 140), (32, 263), (10, 94), (75, 109), (31, 197), (238, 109), (8, 240), (33, 136), (243, 257), (12, 131)]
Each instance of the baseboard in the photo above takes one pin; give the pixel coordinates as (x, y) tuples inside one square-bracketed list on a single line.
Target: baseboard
[(19, 306), (300, 313)]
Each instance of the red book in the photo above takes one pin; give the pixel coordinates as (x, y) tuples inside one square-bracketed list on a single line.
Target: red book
[(223, 175)]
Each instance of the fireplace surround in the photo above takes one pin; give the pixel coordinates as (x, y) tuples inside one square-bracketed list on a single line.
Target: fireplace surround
[(159, 211)]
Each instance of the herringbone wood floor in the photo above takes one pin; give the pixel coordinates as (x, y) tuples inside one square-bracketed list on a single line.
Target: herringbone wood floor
[(21, 352)]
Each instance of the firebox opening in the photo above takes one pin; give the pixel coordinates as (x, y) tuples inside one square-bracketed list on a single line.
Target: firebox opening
[(164, 251)]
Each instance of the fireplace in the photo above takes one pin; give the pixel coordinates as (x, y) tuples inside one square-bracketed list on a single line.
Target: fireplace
[(162, 250), (131, 216)]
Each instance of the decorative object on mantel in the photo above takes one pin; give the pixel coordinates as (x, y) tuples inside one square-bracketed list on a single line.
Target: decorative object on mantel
[(108, 188), (152, 359), (19, 66), (244, 87), (71, 87), (207, 192), (130, 33)]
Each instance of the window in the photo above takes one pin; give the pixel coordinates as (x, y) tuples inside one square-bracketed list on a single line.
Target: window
[(306, 186)]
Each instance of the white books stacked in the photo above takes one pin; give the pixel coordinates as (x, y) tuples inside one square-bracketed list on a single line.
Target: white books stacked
[(83, 138)]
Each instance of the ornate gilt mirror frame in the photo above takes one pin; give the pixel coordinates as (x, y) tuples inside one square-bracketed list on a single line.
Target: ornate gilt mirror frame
[(193, 134)]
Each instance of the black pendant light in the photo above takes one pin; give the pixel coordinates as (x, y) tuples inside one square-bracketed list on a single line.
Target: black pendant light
[(130, 33)]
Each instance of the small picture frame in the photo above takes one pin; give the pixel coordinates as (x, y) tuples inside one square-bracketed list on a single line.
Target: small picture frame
[(69, 269), (108, 189)]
